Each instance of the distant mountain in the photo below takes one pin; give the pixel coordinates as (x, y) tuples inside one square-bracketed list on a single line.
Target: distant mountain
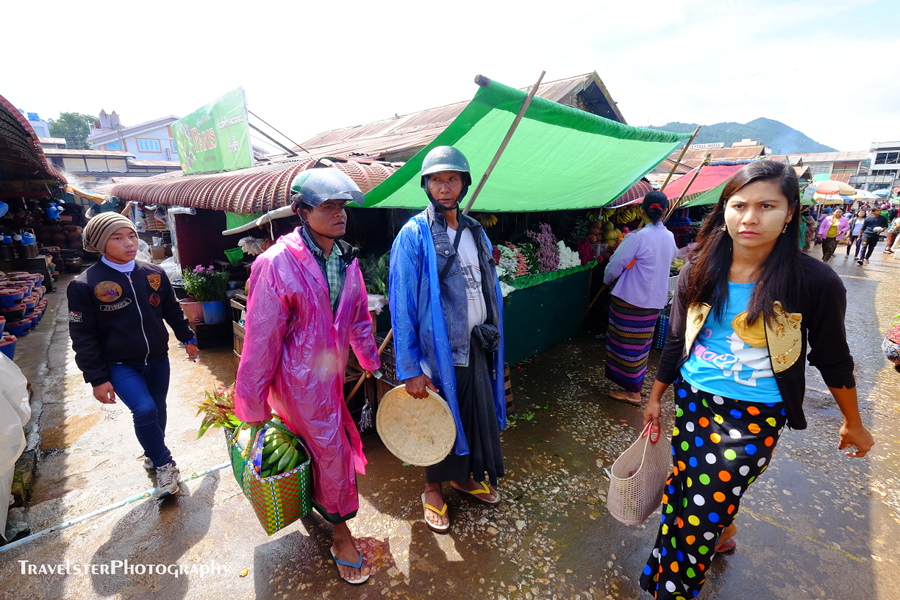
[(774, 134)]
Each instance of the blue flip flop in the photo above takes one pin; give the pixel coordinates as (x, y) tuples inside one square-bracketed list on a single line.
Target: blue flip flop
[(347, 563)]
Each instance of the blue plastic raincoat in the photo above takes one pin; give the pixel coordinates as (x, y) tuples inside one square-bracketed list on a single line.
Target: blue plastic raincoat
[(294, 358), (421, 340)]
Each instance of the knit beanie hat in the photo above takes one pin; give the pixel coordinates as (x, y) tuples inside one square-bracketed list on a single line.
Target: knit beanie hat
[(101, 227)]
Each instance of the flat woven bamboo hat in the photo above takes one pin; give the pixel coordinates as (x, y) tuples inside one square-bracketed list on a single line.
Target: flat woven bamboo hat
[(419, 431)]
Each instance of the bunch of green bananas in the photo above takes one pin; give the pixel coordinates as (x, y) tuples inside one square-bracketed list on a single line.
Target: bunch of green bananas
[(629, 214), (487, 220), (280, 453)]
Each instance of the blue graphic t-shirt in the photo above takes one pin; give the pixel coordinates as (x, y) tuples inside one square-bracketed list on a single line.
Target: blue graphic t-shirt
[(729, 358)]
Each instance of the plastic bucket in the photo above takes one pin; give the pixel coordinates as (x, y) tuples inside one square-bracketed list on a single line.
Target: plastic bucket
[(215, 312), (8, 345), (19, 327), (15, 313), (235, 256), (10, 295), (2, 325)]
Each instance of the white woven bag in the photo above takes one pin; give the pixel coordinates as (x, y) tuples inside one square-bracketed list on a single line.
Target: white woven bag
[(638, 477)]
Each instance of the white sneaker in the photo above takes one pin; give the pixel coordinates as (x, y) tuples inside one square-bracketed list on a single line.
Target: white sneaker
[(167, 478), (148, 464)]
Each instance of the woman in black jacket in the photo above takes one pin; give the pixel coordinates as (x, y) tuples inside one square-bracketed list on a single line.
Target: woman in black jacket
[(746, 306)]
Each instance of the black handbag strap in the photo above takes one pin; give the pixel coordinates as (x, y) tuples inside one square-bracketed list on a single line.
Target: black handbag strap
[(449, 262)]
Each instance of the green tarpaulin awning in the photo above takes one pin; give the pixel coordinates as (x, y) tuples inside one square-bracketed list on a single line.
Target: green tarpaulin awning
[(558, 158)]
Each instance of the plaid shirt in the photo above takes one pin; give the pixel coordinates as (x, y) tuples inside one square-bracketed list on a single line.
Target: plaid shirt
[(334, 268)]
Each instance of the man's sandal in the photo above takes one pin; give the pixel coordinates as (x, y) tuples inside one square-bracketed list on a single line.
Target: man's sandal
[(346, 563), (479, 493), (434, 526)]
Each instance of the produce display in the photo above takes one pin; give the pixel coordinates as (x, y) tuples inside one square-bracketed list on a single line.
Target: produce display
[(281, 453)]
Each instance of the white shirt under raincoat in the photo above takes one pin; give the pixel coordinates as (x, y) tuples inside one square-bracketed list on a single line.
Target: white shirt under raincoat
[(294, 357)]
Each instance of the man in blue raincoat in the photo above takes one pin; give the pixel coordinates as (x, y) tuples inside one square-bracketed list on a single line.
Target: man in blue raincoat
[(447, 316)]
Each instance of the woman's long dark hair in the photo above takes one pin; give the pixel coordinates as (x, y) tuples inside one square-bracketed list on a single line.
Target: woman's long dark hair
[(780, 274)]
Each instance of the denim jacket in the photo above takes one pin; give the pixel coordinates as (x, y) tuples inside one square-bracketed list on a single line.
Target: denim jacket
[(429, 318), (453, 286)]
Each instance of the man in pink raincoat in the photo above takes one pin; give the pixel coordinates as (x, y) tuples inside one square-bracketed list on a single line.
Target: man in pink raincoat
[(307, 306)]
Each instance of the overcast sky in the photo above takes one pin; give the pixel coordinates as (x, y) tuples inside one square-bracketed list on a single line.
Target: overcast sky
[(829, 68)]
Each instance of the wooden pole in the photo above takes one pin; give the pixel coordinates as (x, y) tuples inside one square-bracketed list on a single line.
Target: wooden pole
[(512, 128), (680, 156), (676, 204), (362, 377)]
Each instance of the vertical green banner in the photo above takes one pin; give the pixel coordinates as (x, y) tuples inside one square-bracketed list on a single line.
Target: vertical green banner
[(215, 137)]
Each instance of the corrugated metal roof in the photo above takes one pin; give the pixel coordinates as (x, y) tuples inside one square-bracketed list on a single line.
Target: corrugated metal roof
[(387, 138), (693, 158), (22, 160), (155, 163), (95, 153), (853, 156), (634, 195), (253, 190)]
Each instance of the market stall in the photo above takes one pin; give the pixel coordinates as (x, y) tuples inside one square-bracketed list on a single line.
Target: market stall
[(601, 161), (29, 214)]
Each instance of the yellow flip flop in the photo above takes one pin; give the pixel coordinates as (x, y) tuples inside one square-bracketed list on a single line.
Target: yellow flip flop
[(436, 528), (477, 494)]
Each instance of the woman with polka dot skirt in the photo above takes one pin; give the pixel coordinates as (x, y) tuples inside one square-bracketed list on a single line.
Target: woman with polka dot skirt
[(748, 306)]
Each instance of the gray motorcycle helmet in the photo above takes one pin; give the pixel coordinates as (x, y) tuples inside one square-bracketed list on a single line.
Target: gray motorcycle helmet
[(445, 158), (316, 186)]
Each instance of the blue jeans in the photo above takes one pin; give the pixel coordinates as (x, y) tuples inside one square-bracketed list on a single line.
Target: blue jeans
[(143, 389)]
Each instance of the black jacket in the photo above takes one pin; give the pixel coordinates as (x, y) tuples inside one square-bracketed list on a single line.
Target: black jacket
[(114, 318), (822, 307), (871, 223)]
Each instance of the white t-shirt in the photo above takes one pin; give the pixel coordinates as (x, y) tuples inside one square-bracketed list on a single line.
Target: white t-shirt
[(471, 269)]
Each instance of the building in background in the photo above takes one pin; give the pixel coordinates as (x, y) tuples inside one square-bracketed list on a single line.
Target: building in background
[(151, 140), (884, 167), (40, 126)]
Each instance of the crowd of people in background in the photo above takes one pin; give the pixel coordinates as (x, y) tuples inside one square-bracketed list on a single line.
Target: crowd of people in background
[(861, 231)]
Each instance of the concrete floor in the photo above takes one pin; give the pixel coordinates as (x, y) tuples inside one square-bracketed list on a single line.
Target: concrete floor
[(816, 525)]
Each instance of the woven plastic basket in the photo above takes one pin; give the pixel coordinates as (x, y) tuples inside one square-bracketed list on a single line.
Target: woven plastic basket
[(278, 500), (418, 431), (637, 478)]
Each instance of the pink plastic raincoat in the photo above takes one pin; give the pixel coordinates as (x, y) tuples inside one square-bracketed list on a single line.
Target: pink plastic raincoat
[(294, 357)]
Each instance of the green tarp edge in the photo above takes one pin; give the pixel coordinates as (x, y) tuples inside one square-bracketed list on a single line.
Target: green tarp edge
[(504, 98)]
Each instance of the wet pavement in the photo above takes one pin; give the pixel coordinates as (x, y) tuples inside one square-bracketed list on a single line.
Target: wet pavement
[(816, 524)]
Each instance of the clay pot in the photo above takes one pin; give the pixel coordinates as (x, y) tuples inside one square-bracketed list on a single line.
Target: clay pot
[(73, 264)]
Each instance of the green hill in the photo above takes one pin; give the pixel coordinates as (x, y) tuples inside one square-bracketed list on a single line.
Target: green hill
[(777, 136)]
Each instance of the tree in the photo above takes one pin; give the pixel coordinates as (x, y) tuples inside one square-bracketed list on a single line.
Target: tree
[(74, 127)]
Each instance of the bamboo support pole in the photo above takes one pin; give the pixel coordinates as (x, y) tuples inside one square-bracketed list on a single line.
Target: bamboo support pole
[(680, 156), (674, 206), (482, 81), (362, 377)]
